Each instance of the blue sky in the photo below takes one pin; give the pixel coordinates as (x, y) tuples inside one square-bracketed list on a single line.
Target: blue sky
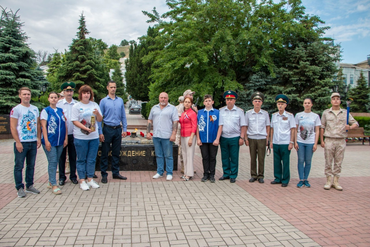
[(350, 25), (52, 24)]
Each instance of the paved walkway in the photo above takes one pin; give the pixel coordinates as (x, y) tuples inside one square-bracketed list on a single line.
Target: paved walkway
[(146, 212)]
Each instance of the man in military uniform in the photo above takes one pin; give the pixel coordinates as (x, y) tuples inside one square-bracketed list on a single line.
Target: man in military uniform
[(66, 104), (333, 127), (258, 129), (230, 135), (282, 139)]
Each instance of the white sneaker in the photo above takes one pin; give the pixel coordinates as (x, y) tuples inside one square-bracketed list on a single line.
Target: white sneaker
[(157, 176), (93, 184), (84, 186), (169, 177)]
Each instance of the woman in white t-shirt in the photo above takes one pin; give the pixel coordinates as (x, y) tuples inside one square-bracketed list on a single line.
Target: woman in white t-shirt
[(54, 138), (85, 115), (308, 124)]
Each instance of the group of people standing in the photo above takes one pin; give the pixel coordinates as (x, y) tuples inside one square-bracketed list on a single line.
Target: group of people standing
[(230, 128), (75, 127), (68, 126)]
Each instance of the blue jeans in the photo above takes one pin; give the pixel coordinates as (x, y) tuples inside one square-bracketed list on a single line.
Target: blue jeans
[(86, 157), (29, 154), (53, 158), (163, 151), (305, 153)]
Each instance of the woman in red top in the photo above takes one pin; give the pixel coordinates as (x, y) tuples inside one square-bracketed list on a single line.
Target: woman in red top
[(188, 121)]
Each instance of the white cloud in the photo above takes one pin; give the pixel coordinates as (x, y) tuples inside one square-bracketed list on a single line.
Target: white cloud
[(53, 24), (349, 32)]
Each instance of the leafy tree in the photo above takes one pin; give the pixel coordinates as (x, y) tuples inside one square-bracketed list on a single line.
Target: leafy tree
[(81, 65), (341, 87), (138, 72), (52, 73), (17, 62), (124, 42), (212, 46), (111, 60), (360, 95), (112, 53), (122, 54)]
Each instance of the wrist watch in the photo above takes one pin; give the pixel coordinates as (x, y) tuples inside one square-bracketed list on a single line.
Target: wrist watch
[(292, 142), (242, 138)]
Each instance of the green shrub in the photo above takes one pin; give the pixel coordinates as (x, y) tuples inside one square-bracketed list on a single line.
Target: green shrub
[(362, 121), (144, 110)]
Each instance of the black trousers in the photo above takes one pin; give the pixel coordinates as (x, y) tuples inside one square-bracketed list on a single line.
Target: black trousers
[(72, 160), (209, 153), (110, 136)]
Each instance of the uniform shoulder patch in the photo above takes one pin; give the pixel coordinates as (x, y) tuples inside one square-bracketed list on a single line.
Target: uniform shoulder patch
[(289, 113), (250, 110)]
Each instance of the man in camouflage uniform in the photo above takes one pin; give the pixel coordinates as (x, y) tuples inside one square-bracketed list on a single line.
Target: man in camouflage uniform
[(333, 127)]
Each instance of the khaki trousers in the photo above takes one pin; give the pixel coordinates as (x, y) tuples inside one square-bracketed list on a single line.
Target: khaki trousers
[(334, 150), (257, 148)]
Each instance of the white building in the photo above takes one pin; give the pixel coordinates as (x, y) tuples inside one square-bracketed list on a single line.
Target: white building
[(352, 72)]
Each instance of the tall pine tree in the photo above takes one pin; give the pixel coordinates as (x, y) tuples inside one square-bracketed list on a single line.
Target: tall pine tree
[(81, 66), (138, 71), (17, 62), (360, 95)]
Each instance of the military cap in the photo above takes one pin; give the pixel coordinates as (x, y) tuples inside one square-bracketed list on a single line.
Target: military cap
[(282, 98), (335, 95), (68, 85), (230, 95), (258, 95)]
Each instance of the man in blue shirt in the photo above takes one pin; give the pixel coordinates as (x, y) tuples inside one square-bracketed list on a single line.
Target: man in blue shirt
[(115, 126)]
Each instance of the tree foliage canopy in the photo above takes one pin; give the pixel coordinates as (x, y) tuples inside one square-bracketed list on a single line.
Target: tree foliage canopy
[(360, 95), (211, 46), (137, 72), (81, 65), (17, 62)]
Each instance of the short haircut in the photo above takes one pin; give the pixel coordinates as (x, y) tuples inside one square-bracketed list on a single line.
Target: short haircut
[(208, 96), (309, 99), (24, 88), (111, 82), (53, 93), (85, 89)]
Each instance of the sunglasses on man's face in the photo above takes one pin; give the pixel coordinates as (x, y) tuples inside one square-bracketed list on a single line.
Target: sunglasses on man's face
[(69, 90)]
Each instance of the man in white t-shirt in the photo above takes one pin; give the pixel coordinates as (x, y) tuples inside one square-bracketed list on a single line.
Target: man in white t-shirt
[(25, 129)]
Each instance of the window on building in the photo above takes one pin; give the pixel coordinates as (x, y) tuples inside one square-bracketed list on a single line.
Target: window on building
[(345, 79), (351, 79)]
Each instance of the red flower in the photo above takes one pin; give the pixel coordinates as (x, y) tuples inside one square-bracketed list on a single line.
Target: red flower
[(142, 134), (128, 133), (151, 134)]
